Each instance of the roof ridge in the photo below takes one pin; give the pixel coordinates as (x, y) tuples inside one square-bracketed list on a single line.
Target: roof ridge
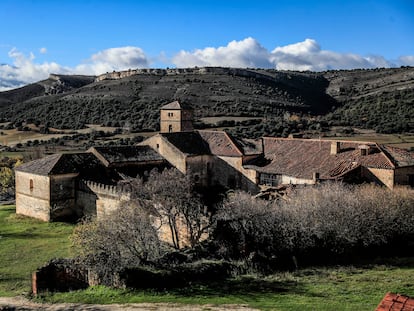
[(387, 156), (321, 140), (233, 142)]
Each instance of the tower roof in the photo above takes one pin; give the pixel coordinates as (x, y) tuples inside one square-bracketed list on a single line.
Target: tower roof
[(175, 105)]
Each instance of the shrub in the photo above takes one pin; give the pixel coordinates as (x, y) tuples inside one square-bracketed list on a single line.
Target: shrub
[(330, 222)]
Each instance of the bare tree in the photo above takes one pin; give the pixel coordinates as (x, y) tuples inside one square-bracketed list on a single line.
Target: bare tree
[(126, 238), (170, 197)]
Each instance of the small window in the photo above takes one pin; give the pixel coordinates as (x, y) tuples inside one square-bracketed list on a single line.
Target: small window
[(31, 184), (158, 146), (170, 129)]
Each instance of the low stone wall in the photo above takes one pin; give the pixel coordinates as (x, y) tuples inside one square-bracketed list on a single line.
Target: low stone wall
[(59, 275)]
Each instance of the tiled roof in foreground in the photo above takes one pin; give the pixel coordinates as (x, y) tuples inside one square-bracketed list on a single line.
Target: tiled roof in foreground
[(396, 302)]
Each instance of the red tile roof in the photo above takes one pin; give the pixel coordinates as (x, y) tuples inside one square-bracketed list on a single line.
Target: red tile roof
[(396, 302), (401, 157), (221, 143), (303, 157)]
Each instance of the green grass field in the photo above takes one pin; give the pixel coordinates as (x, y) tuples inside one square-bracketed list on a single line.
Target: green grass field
[(339, 288), (26, 244)]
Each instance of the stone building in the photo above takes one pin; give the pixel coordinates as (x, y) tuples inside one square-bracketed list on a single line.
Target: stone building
[(71, 185), (176, 117), (308, 161), (68, 186)]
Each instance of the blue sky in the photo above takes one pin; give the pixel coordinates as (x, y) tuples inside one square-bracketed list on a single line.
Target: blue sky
[(91, 37)]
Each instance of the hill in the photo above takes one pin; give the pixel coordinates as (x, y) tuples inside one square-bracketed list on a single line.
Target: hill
[(376, 98), (53, 85)]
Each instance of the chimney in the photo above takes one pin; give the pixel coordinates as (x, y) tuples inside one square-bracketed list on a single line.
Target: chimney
[(364, 149), (335, 147)]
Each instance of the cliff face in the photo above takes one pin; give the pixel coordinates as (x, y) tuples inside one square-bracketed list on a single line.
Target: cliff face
[(57, 84), (353, 84)]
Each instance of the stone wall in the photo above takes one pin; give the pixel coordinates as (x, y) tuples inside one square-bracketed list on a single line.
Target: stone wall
[(33, 195), (229, 172), (59, 275), (402, 175), (63, 197), (168, 151), (201, 168), (170, 118), (297, 181), (380, 176), (99, 200)]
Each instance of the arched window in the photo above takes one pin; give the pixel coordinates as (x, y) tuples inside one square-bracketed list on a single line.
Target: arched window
[(31, 184)]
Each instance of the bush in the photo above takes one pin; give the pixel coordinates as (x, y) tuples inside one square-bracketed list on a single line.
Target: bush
[(120, 240), (331, 222)]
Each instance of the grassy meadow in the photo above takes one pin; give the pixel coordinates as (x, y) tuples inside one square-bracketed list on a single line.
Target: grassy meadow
[(26, 244)]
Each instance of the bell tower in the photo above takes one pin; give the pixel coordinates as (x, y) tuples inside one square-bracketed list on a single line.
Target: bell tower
[(176, 117)]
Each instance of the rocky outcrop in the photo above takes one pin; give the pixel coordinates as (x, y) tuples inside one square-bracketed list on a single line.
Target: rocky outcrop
[(57, 84)]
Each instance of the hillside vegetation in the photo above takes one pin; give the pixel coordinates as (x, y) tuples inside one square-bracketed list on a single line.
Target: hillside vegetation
[(380, 99)]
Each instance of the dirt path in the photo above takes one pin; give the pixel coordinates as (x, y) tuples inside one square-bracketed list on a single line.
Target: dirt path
[(23, 304)]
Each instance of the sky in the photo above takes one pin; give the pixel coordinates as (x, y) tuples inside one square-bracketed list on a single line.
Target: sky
[(91, 37)]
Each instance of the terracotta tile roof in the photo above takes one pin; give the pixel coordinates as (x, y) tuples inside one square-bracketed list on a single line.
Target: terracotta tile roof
[(221, 143), (207, 143), (401, 157), (303, 157), (250, 146), (190, 143), (175, 105), (396, 302), (126, 154)]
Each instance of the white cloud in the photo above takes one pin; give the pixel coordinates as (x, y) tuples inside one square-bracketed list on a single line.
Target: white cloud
[(244, 53), (407, 60), (121, 58), (43, 50), (305, 55), (26, 70), (308, 55)]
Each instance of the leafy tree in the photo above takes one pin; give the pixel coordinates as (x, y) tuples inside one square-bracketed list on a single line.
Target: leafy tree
[(6, 179)]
